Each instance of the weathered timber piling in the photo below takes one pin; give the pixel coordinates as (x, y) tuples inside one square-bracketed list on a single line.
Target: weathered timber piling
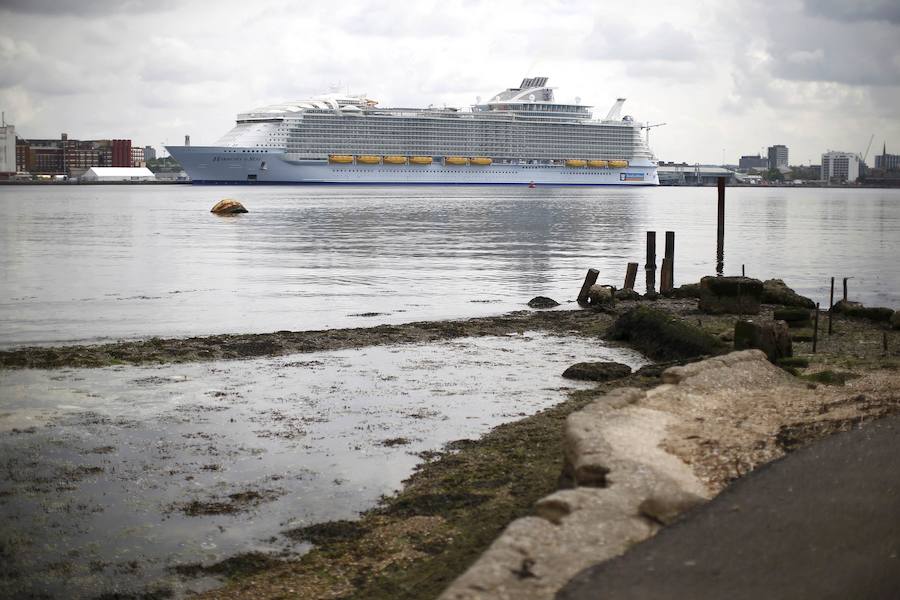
[(589, 280), (630, 276), (650, 266), (816, 329), (667, 277), (845, 288), (720, 229), (743, 271), (831, 306)]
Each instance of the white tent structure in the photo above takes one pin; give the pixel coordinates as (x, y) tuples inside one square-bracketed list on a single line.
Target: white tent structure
[(118, 174)]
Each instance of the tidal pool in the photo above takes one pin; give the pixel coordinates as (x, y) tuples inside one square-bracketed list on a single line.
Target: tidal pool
[(110, 478)]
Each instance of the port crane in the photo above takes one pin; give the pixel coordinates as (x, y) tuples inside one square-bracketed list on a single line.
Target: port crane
[(648, 127), (869, 147)]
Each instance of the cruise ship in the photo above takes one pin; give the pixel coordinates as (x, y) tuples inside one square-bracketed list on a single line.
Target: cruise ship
[(520, 136)]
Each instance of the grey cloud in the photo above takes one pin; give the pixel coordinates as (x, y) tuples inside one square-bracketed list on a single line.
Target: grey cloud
[(614, 40), (859, 10), (84, 7)]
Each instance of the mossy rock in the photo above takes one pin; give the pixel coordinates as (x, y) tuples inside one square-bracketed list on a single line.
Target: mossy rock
[(769, 336), (831, 377), (597, 371), (794, 361), (802, 335), (627, 294), (688, 290), (878, 314), (542, 302), (732, 286), (730, 295), (775, 291), (792, 314), (663, 337)]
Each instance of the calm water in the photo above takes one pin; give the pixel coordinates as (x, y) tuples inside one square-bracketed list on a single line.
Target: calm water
[(82, 264)]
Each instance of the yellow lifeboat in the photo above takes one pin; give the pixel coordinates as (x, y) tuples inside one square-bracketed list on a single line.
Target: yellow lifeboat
[(368, 159), (482, 161), (340, 159), (420, 160), (456, 160), (395, 160), (575, 162), (618, 164), (598, 164)]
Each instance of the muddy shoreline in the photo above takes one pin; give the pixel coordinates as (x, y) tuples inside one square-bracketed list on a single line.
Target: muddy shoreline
[(237, 346), (414, 543)]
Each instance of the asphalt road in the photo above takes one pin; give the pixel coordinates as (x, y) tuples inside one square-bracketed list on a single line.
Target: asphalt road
[(823, 522)]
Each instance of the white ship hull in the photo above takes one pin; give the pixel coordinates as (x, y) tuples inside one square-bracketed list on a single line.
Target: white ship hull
[(220, 165)]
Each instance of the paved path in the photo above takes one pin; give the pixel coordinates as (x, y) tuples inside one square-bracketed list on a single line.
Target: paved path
[(824, 522)]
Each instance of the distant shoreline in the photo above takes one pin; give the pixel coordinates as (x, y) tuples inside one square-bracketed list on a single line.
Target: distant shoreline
[(731, 185)]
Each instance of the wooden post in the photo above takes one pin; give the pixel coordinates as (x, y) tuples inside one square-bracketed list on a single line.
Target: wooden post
[(668, 270), (816, 329), (845, 288), (830, 306), (665, 285), (630, 276), (650, 265), (720, 230), (589, 280), (743, 271)]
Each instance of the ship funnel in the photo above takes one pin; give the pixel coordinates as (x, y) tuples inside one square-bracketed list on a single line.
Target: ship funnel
[(615, 111)]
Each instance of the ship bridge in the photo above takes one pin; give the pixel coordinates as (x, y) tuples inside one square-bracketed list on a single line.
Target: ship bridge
[(534, 98)]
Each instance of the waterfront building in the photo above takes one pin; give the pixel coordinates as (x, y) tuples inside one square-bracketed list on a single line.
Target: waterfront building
[(755, 161), (671, 173), (778, 156), (840, 166), (149, 153), (887, 162), (112, 174), (7, 149), (137, 157), (71, 157)]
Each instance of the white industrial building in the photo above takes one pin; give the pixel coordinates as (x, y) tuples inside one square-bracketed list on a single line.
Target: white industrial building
[(840, 166), (99, 174), (7, 149)]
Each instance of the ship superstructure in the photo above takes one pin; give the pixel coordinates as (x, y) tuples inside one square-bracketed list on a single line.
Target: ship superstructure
[(521, 135)]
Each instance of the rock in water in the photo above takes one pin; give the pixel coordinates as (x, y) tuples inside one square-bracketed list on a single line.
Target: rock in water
[(597, 371), (542, 302), (776, 292), (228, 206), (772, 337), (730, 295)]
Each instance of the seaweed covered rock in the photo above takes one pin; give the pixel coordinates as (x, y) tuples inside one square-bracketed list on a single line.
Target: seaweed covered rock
[(662, 336), (879, 314), (542, 302), (730, 295), (228, 206), (775, 291), (794, 316), (597, 371), (771, 337), (688, 290), (627, 294), (601, 295)]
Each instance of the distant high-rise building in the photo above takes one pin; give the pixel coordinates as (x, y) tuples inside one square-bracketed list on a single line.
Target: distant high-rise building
[(753, 162), (187, 141), (7, 148), (840, 166), (887, 162), (778, 156), (149, 153)]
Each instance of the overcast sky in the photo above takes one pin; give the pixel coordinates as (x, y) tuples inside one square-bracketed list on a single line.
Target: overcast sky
[(729, 76)]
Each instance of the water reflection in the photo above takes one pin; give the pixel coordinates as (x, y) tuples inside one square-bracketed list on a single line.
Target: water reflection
[(86, 263)]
